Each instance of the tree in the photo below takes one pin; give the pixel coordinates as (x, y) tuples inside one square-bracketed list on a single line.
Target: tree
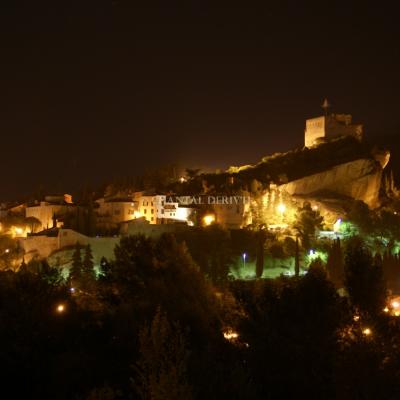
[(77, 266), (162, 367), (105, 268), (361, 216), (363, 279), (149, 272), (276, 251), (334, 264), (261, 238), (297, 258), (306, 224), (87, 265)]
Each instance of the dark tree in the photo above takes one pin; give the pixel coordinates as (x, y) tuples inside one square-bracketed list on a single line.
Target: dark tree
[(297, 258), (88, 265), (261, 238), (77, 265), (363, 279), (334, 264), (161, 372), (105, 268), (361, 215), (307, 222)]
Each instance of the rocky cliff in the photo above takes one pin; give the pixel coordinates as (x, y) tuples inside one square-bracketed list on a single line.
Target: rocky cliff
[(359, 179)]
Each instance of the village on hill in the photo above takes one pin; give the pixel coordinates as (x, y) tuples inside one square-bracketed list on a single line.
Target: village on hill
[(296, 204)]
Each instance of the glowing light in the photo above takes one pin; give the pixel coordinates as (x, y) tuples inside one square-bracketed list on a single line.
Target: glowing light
[(356, 318), (244, 255), (336, 225), (315, 208), (386, 309), (208, 219), (19, 231), (367, 332), (137, 214), (72, 290), (281, 208), (397, 313), (60, 308), (182, 179), (230, 335), (311, 253), (395, 304), (7, 250)]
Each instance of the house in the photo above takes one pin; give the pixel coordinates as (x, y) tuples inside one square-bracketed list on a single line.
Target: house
[(159, 209), (112, 211)]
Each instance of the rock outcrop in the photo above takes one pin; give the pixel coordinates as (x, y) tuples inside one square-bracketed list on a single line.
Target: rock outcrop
[(359, 179)]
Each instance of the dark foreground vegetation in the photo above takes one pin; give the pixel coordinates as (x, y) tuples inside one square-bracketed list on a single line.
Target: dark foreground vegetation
[(151, 326)]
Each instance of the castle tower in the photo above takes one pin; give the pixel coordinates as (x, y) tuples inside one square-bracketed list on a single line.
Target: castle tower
[(330, 126)]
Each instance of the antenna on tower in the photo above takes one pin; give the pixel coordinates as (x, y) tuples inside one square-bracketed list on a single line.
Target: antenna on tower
[(325, 106)]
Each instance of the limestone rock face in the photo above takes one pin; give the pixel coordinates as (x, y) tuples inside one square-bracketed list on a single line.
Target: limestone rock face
[(359, 179)]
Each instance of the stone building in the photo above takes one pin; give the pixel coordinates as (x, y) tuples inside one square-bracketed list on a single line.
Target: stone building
[(330, 126), (51, 210)]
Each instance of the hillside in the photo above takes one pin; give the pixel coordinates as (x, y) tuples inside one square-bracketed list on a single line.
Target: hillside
[(293, 165)]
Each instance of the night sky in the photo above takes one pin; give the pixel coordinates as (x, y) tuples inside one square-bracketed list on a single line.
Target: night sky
[(93, 92)]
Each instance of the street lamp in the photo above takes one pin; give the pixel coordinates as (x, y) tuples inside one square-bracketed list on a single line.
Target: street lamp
[(244, 255)]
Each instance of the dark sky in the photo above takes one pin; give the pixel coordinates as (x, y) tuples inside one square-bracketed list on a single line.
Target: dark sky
[(94, 90)]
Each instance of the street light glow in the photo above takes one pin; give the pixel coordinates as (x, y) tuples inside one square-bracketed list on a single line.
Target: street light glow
[(230, 334), (395, 304), (208, 219), (367, 332), (60, 308), (281, 208)]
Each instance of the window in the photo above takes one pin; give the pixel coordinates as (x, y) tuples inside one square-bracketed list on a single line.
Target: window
[(162, 203), (152, 210), (145, 211), (162, 211), (152, 218)]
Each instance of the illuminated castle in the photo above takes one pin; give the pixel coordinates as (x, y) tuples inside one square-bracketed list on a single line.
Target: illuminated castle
[(329, 126)]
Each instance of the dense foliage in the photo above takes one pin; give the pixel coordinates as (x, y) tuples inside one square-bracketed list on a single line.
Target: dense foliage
[(152, 325)]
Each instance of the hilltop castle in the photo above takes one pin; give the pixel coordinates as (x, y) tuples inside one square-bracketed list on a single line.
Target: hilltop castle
[(329, 126)]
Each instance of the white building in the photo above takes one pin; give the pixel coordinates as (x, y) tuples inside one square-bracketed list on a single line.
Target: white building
[(157, 210)]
